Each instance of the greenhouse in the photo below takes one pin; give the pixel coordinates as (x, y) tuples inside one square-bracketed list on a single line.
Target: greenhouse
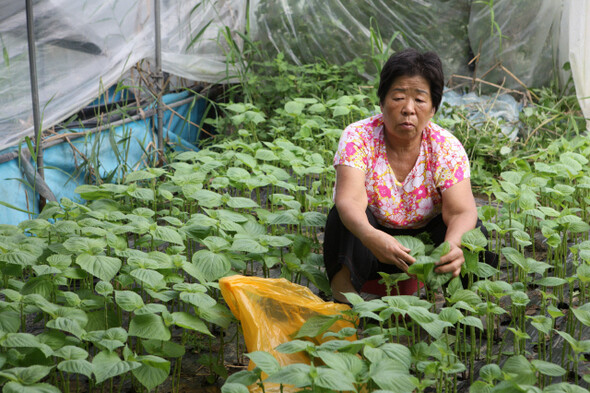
[(170, 219)]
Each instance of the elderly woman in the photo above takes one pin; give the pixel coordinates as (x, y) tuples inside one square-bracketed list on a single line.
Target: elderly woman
[(397, 173)]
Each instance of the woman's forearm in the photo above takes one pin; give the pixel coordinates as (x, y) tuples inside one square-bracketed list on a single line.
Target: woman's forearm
[(354, 217), (459, 223)]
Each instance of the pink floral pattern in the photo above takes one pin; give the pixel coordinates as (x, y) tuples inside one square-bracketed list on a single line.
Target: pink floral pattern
[(442, 163)]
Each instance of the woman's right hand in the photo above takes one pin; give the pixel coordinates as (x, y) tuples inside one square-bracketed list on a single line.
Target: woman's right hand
[(388, 250)]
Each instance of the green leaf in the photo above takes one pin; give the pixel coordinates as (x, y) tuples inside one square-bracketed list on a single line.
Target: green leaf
[(265, 361), (294, 108), (392, 375), (547, 368), (237, 174), (314, 219), (12, 295), (107, 365), (167, 349), (398, 352), (414, 244), (197, 299), (275, 241), (342, 362), (474, 240), (466, 296), (340, 110), (480, 387), (442, 249), (241, 203), (542, 323), (70, 352), (485, 271), (139, 175), (43, 286), (216, 243), (230, 387), (153, 371), (243, 378), (153, 279), (265, 155), (490, 373), (25, 340), (212, 266), (217, 314), (292, 374), (246, 159), (149, 326), (128, 300), (334, 379), (103, 288), (91, 192), (99, 266), (582, 313), (472, 321), (550, 281), (248, 245), (564, 387), (428, 321), (144, 194), (207, 198), (193, 271), (449, 314), (519, 371), (237, 107), (168, 234), (189, 321), (16, 387), (66, 325), (76, 366), (316, 325), (294, 346), (572, 166), (317, 108), (27, 375)]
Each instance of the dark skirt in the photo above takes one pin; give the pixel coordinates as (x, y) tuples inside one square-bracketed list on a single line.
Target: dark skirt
[(341, 247)]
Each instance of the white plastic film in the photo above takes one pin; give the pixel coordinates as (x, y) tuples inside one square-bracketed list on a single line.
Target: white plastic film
[(579, 52), (520, 35), (85, 46), (340, 31)]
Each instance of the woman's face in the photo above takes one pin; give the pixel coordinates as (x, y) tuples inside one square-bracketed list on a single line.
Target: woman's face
[(407, 107)]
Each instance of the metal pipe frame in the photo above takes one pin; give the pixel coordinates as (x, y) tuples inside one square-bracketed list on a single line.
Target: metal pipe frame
[(34, 85), (159, 80)]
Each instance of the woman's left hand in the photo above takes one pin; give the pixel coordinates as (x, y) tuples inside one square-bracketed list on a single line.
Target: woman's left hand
[(451, 262)]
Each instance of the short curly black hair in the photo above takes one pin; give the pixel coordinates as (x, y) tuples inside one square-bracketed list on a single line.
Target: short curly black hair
[(411, 62)]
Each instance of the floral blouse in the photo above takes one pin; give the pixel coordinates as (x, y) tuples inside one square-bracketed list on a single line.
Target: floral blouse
[(442, 163)]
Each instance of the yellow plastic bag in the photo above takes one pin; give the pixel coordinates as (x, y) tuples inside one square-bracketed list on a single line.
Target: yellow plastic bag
[(271, 311)]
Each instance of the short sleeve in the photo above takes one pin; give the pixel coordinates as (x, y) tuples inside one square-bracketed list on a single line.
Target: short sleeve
[(453, 163), (353, 148)]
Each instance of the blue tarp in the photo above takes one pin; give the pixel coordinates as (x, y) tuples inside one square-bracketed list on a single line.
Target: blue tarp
[(61, 162)]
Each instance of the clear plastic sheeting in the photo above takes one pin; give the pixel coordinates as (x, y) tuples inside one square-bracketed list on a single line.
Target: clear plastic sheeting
[(340, 31), (579, 52), (521, 35), (84, 47), (481, 108)]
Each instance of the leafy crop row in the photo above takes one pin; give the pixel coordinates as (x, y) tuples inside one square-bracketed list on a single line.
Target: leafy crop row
[(114, 289)]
